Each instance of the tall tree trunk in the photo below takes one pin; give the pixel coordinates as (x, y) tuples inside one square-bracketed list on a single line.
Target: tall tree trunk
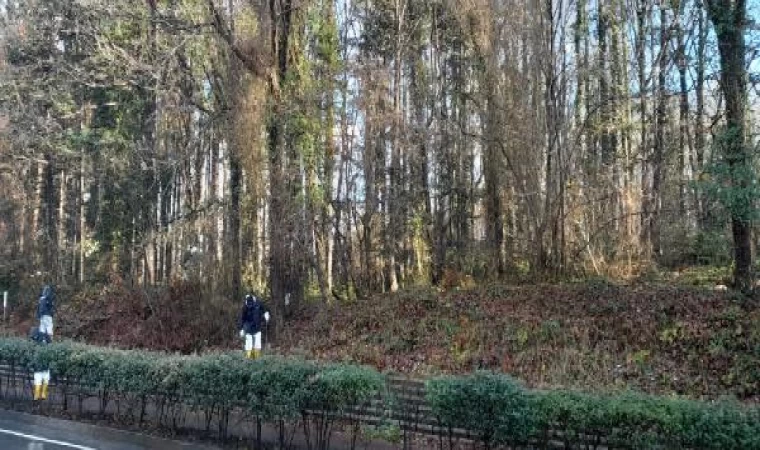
[(234, 149), (684, 138), (62, 232), (605, 113), (616, 21), (148, 92), (261, 244), (236, 174), (286, 257), (494, 220), (38, 211), (627, 208), (83, 217), (49, 219), (342, 246), (215, 195), (581, 34), (326, 230), (642, 13), (730, 20), (699, 127), (369, 222), (606, 62), (445, 160), (493, 167), (23, 237), (661, 124), (395, 221), (278, 254), (552, 133)]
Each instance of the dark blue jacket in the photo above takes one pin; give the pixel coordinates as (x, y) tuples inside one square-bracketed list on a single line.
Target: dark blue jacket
[(46, 303), (252, 317)]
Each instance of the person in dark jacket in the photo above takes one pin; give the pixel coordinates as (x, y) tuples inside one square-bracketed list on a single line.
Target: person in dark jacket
[(46, 309), (39, 365), (252, 319)]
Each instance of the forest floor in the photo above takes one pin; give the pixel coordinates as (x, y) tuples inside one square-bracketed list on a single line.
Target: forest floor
[(656, 338), (676, 335)]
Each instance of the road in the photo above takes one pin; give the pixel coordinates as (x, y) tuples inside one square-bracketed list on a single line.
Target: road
[(20, 431)]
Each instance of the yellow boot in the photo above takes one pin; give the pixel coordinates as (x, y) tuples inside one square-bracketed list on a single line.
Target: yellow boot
[(44, 394), (249, 354), (256, 354), (37, 391)]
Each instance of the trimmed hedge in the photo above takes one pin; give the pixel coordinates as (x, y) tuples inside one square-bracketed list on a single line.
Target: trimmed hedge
[(281, 391), (289, 392), (502, 412), (492, 406)]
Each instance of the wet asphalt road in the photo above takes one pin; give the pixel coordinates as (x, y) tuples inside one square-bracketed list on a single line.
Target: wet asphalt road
[(20, 431)]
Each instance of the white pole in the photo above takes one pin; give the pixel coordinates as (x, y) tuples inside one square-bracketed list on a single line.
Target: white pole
[(5, 303)]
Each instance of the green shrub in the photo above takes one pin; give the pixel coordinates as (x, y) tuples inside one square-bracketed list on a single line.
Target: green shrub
[(572, 413), (725, 425), (642, 421), (335, 390), (338, 388), (59, 357), (17, 353), (277, 387), (274, 389), (214, 380), (132, 373), (89, 366), (494, 406)]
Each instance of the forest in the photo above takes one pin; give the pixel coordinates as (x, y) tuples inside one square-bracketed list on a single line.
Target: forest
[(330, 151)]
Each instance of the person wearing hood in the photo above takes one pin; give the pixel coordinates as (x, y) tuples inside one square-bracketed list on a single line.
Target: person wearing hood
[(46, 309), (252, 319)]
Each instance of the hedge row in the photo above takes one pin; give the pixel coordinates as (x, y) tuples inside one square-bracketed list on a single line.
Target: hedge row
[(501, 412), (290, 393), (273, 390)]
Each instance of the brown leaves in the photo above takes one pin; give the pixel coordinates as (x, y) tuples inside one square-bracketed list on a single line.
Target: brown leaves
[(655, 338), (658, 339)]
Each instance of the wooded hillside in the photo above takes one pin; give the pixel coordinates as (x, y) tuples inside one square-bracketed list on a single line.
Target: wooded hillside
[(347, 148)]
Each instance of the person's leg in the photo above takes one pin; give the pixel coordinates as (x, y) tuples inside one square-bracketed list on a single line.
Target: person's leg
[(46, 325), (45, 383), (257, 345), (37, 385), (249, 346)]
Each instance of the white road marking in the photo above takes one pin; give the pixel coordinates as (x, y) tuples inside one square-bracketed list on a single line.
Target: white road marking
[(32, 437)]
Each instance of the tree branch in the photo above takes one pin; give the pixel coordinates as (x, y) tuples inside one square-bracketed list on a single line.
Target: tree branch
[(225, 33)]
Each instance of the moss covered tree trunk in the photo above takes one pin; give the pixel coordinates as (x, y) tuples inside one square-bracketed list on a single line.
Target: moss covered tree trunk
[(730, 19)]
